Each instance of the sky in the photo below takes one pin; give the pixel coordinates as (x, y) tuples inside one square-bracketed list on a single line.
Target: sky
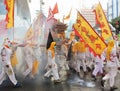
[(64, 6)]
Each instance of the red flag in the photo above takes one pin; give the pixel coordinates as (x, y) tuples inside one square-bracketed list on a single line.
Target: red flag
[(10, 14), (68, 16), (55, 9), (50, 14)]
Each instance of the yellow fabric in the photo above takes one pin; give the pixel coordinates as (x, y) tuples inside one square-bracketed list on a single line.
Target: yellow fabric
[(52, 48), (109, 49), (14, 60), (10, 14), (29, 34), (88, 34), (79, 47), (102, 20), (35, 67)]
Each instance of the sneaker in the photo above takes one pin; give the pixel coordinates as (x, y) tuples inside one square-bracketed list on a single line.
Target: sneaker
[(94, 78), (57, 81), (102, 83), (18, 85), (113, 88)]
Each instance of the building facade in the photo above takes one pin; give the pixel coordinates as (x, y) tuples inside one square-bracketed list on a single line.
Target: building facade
[(113, 9), (89, 15)]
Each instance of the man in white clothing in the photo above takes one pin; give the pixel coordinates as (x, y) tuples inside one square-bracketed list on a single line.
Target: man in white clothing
[(112, 65), (6, 53), (51, 67)]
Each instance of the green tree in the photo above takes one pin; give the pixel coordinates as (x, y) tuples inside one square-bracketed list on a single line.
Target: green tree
[(116, 23)]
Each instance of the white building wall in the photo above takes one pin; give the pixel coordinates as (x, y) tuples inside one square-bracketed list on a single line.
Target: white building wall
[(118, 7), (113, 9)]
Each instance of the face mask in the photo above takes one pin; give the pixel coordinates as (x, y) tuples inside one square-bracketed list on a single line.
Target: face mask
[(54, 47)]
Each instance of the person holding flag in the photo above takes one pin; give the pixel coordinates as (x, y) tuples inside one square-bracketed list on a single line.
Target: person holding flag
[(6, 54), (51, 67), (30, 59), (112, 65), (79, 50)]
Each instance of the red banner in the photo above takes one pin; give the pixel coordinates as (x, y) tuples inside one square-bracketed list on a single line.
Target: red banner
[(10, 13)]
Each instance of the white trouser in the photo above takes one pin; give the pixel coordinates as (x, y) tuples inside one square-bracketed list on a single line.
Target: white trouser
[(52, 71), (98, 68), (112, 72), (10, 73), (29, 67), (77, 66), (83, 65), (89, 62), (62, 62)]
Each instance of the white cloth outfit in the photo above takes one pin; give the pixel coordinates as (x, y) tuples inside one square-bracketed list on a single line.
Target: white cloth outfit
[(29, 59), (112, 66), (98, 65), (63, 63), (51, 67), (88, 58), (80, 61), (6, 66)]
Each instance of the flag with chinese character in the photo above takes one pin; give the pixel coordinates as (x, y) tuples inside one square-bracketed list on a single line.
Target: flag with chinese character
[(29, 34), (88, 35), (35, 30), (104, 25), (10, 13)]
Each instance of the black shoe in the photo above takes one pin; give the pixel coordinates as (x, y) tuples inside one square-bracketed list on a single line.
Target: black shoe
[(94, 78), (57, 81), (102, 83), (89, 69), (18, 85), (113, 88)]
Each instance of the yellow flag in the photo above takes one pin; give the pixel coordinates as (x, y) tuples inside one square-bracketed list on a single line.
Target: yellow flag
[(84, 30), (10, 13), (102, 21), (29, 34)]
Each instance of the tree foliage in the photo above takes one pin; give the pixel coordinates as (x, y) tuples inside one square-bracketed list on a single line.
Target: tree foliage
[(116, 23)]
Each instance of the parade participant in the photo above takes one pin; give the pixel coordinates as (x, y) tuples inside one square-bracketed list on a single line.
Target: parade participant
[(51, 67), (63, 64), (70, 54), (89, 61), (6, 53), (79, 50), (30, 60), (14, 60), (98, 66), (111, 65), (118, 52), (14, 46), (72, 38)]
